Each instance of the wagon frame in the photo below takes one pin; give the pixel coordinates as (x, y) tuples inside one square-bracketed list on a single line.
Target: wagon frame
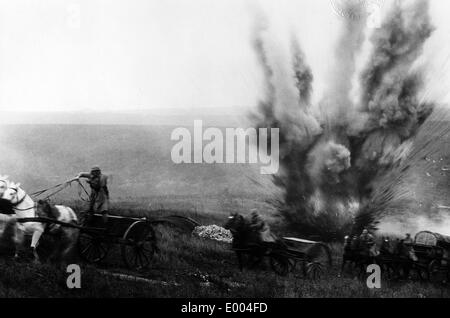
[(284, 257), (135, 236)]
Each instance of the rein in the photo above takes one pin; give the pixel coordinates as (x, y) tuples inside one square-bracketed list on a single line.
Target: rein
[(80, 194), (65, 185), (38, 193), (26, 209)]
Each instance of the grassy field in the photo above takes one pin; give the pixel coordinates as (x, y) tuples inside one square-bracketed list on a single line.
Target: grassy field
[(188, 266), (144, 181)]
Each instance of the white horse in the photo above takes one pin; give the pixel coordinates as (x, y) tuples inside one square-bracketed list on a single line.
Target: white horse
[(24, 207)]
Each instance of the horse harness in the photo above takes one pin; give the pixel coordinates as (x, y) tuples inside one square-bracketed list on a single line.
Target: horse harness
[(21, 201)]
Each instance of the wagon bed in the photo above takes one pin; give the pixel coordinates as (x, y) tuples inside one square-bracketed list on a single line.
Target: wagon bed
[(135, 236), (284, 256)]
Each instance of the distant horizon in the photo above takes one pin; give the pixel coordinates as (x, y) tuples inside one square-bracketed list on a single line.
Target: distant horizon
[(221, 117), (217, 117), (130, 110)]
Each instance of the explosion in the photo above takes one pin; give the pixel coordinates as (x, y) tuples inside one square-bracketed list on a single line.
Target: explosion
[(335, 155)]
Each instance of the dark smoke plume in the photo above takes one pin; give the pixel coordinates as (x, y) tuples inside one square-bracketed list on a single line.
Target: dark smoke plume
[(332, 162), (395, 206)]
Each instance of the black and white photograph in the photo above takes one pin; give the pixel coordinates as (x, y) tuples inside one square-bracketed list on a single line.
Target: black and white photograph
[(224, 153)]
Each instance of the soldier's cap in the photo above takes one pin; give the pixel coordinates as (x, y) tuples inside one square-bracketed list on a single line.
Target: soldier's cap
[(95, 168)]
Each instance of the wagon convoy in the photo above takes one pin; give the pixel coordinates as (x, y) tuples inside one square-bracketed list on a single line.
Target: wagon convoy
[(138, 243), (428, 255)]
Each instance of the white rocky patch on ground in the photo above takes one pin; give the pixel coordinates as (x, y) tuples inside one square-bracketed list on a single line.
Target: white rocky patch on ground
[(213, 232)]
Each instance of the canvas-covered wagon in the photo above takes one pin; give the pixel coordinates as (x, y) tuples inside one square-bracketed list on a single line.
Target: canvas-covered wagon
[(433, 251)]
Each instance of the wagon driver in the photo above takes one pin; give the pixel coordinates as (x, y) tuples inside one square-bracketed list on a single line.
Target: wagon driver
[(261, 227), (99, 198)]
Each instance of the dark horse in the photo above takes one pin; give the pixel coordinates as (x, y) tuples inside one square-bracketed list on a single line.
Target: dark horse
[(395, 258), (246, 241), (9, 232), (358, 255), (398, 259)]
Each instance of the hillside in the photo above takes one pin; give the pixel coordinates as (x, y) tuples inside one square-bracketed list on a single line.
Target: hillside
[(137, 159)]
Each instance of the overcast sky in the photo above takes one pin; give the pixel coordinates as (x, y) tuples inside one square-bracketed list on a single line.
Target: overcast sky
[(58, 55)]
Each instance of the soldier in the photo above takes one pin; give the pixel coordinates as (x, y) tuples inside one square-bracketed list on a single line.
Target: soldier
[(99, 198), (261, 227), (354, 243), (367, 241), (347, 243), (366, 237), (385, 245), (408, 239)]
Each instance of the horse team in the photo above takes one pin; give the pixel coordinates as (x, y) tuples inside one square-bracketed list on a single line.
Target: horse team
[(17, 205), (396, 257)]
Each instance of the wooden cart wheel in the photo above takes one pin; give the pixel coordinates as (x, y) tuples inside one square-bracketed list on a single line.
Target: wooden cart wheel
[(280, 264), (139, 245), (91, 248), (320, 253)]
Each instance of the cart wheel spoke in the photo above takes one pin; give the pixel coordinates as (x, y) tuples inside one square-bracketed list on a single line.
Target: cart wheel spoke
[(136, 257), (86, 249), (147, 260), (136, 253), (143, 260), (91, 248)]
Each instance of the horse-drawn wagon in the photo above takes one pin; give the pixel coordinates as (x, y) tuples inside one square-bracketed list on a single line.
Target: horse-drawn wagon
[(135, 236), (313, 257), (284, 255), (288, 255), (433, 252), (427, 257)]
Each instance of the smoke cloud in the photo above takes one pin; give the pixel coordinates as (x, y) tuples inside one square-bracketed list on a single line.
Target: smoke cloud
[(335, 154)]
